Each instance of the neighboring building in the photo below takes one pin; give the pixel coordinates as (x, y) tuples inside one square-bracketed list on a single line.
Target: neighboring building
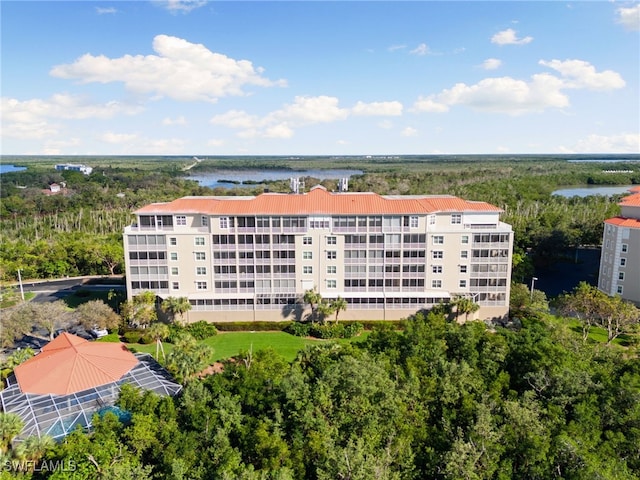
[(71, 379), (54, 188), (620, 258), (76, 168), (252, 258)]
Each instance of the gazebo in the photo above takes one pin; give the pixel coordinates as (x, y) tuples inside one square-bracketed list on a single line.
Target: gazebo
[(71, 379)]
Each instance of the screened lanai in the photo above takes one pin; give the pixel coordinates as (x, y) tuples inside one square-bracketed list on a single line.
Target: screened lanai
[(77, 364)]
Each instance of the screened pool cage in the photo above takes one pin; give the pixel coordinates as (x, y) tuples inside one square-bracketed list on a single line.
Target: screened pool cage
[(59, 415)]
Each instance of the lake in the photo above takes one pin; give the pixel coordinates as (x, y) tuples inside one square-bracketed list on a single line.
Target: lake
[(587, 190), (6, 168), (217, 179)]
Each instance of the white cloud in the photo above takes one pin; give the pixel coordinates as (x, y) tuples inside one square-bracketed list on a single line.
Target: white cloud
[(180, 6), (281, 130), (378, 108), (174, 121), (491, 64), (106, 11), (509, 37), (619, 143), (181, 70), (430, 104), (581, 74), (215, 142), (421, 50), (516, 97), (30, 118), (629, 17), (409, 132), (236, 119), (393, 48), (309, 110)]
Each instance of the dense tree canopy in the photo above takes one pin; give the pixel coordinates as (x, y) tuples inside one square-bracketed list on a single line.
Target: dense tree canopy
[(436, 399)]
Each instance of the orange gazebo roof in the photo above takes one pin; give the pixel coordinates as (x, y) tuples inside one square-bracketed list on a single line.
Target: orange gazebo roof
[(70, 364)]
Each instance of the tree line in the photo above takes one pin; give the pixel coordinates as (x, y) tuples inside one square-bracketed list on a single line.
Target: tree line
[(434, 399)]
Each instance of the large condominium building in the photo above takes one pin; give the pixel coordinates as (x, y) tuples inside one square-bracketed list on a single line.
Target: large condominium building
[(620, 259), (252, 258)]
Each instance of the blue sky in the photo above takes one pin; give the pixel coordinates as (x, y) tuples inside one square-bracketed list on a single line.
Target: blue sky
[(330, 78)]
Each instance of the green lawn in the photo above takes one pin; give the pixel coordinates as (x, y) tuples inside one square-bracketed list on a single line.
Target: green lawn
[(596, 334), (229, 344)]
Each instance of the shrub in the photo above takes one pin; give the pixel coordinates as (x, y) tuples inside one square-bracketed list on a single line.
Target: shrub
[(298, 329), (251, 326), (132, 336), (145, 339), (352, 330), (202, 329), (327, 330)]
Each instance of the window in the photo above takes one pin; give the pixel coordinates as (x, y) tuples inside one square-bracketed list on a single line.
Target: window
[(331, 255), (436, 268), (198, 241), (174, 256), (331, 284), (464, 239), (623, 262), (436, 283), (201, 255), (173, 241), (619, 290), (621, 276), (438, 240), (307, 255), (332, 269), (463, 269), (463, 284), (174, 270), (625, 248), (307, 269), (201, 285), (175, 285), (437, 254), (464, 254), (411, 221), (456, 218), (224, 222), (331, 241), (307, 240), (201, 270), (204, 221), (181, 220), (432, 219)]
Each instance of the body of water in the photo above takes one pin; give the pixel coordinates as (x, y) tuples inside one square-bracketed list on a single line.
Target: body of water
[(223, 178), (593, 190), (6, 168)]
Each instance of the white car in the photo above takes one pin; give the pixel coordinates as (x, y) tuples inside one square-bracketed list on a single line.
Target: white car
[(98, 333)]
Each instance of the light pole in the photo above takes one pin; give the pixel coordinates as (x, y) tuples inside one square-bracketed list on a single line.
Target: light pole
[(20, 282), (533, 280)]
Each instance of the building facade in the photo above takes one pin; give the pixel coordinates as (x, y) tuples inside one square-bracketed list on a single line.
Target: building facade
[(620, 260), (74, 168), (252, 258)]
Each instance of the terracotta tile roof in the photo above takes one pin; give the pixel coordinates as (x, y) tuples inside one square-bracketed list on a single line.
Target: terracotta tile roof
[(624, 222), (70, 364), (632, 200), (318, 202)]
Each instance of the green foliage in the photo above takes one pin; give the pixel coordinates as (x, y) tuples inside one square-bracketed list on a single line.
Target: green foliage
[(299, 329), (201, 330)]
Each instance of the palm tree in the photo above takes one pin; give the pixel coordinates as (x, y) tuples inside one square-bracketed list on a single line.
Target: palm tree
[(466, 305), (10, 426), (313, 298), (338, 305), (35, 447), (176, 306), (188, 357), (159, 331)]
